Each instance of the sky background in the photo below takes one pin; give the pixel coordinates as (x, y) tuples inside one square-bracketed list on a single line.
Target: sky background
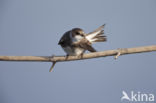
[(34, 27)]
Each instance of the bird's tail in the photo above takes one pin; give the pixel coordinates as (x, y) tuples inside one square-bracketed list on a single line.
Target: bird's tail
[(97, 35)]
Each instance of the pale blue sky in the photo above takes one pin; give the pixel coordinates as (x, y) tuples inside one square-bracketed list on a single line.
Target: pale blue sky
[(34, 27)]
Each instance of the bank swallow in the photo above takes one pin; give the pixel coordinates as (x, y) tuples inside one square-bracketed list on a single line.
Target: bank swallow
[(76, 41)]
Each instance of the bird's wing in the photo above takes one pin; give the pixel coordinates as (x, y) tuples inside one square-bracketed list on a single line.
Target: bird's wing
[(85, 44), (88, 47), (96, 35), (97, 30)]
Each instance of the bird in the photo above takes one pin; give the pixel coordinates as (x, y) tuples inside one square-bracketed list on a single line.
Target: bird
[(75, 41)]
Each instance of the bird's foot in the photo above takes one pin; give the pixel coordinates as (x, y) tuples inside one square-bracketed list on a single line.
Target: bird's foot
[(66, 57), (80, 56)]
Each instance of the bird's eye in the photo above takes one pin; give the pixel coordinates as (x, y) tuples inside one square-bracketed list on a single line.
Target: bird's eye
[(77, 33)]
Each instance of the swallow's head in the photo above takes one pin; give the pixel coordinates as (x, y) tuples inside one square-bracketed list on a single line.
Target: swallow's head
[(77, 33)]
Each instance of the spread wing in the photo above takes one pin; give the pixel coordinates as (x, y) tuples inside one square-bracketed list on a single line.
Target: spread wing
[(97, 35), (97, 30)]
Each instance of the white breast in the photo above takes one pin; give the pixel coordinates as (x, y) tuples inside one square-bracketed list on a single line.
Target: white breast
[(73, 51), (79, 51)]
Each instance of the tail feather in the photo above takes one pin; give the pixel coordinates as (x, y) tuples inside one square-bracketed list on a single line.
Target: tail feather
[(97, 35)]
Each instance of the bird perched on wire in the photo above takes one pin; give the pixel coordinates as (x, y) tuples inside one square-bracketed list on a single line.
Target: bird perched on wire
[(76, 41)]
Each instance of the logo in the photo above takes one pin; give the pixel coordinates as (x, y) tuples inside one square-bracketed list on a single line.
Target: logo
[(137, 97)]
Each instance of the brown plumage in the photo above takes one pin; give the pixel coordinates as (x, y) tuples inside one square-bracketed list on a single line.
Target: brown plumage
[(84, 43), (76, 42)]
